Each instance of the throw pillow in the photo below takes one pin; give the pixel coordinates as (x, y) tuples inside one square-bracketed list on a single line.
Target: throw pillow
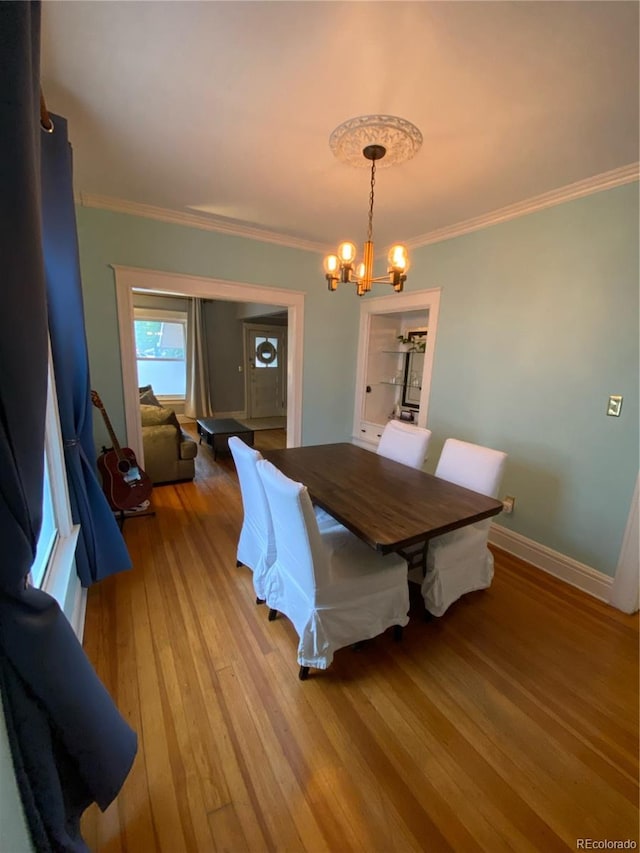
[(147, 397), (152, 415)]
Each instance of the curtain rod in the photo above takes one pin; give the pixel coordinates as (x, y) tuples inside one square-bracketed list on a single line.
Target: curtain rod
[(45, 119)]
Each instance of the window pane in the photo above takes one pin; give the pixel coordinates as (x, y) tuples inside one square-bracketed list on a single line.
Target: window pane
[(266, 354), (169, 378), (158, 339), (172, 340), (48, 531), (160, 350)]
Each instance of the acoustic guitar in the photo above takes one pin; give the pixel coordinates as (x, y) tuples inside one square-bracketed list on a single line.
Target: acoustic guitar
[(124, 483)]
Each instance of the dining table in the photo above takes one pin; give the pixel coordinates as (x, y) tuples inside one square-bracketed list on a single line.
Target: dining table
[(390, 506)]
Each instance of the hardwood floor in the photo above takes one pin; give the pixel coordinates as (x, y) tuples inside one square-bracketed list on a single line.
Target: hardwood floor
[(511, 723)]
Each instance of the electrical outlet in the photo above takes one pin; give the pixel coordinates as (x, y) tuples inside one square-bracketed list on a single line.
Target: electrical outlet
[(508, 504)]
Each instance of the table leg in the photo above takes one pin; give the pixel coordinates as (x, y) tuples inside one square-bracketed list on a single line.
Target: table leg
[(416, 556)]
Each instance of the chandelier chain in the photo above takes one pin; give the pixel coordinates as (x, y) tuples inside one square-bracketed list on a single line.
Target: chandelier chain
[(373, 182)]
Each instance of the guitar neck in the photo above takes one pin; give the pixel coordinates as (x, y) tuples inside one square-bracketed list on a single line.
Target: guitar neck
[(112, 435)]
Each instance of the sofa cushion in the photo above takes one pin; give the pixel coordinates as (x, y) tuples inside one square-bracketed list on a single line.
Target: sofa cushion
[(147, 397), (152, 415)]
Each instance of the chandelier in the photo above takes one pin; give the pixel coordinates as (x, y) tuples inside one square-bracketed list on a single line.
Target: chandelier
[(372, 138)]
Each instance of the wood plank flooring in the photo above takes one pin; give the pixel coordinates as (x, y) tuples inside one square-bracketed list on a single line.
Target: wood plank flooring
[(510, 724)]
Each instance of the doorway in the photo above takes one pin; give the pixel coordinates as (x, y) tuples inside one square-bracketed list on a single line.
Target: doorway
[(129, 279), (265, 358)]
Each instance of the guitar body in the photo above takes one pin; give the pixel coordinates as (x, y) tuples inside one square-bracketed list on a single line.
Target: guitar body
[(124, 483)]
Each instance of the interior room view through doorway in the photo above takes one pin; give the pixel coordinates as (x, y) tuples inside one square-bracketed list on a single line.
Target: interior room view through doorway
[(277, 344)]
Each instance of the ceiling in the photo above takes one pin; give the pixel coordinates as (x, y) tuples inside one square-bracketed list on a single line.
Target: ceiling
[(225, 108)]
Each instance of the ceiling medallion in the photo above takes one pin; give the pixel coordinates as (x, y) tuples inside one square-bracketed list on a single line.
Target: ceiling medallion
[(400, 139)]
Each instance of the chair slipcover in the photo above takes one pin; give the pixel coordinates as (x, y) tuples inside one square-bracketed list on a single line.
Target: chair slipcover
[(460, 562), (333, 587), (404, 443), (257, 545)]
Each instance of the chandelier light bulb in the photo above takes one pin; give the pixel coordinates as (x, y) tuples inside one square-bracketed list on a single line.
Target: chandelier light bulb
[(331, 264), (360, 270), (347, 253), (398, 258)]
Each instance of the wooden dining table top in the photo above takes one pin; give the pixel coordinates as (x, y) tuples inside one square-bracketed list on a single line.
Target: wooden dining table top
[(384, 503)]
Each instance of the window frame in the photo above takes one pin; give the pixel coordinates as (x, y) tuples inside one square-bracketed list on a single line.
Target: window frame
[(48, 535), (54, 579), (163, 315)]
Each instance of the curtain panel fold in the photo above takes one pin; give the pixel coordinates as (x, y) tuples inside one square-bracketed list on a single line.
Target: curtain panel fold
[(101, 550), (68, 742), (198, 398)]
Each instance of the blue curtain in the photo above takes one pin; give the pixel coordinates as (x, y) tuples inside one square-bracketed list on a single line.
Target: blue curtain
[(101, 550), (69, 744)]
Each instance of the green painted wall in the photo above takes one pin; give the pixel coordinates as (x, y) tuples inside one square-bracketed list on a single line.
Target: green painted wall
[(330, 335), (538, 325)]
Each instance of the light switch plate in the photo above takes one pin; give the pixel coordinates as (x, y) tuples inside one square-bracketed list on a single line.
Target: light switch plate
[(615, 405)]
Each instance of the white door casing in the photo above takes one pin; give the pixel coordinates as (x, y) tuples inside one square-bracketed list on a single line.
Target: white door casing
[(156, 281), (625, 588)]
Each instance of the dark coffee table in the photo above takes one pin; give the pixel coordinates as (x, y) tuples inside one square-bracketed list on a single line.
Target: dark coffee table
[(217, 432)]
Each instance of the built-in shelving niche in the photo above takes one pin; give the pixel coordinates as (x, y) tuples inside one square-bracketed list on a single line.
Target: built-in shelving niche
[(384, 385)]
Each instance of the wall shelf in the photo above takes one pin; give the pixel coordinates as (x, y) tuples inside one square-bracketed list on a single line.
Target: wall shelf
[(399, 385)]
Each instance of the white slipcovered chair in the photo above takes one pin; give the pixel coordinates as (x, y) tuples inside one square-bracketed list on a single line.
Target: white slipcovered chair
[(257, 544), (333, 587), (404, 443), (460, 561)]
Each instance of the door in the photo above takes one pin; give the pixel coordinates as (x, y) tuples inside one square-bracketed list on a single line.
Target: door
[(266, 360)]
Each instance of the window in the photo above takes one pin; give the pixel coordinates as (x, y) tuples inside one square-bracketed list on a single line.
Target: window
[(266, 354), (160, 350), (48, 531), (56, 543)]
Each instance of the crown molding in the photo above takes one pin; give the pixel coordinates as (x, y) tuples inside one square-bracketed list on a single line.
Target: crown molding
[(589, 186), (194, 220)]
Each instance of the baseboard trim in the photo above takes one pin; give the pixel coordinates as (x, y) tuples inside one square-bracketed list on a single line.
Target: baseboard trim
[(185, 419), (565, 568), (232, 415)]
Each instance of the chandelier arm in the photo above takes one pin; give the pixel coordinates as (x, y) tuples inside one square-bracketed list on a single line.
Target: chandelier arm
[(381, 279)]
